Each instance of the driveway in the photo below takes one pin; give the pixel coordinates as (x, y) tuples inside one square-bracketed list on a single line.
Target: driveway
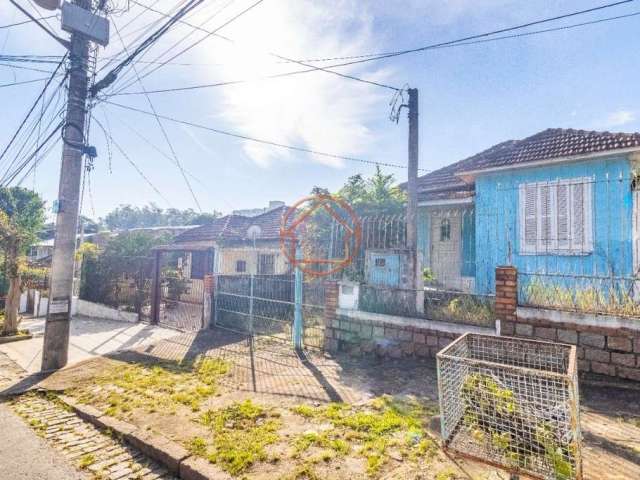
[(89, 337)]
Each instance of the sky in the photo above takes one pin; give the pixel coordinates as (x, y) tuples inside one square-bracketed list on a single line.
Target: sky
[(471, 97)]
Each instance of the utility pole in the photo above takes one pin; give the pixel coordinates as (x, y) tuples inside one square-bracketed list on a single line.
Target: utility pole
[(412, 193), (56, 334)]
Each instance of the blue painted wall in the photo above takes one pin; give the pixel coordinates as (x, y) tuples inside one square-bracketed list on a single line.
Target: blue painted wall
[(497, 234)]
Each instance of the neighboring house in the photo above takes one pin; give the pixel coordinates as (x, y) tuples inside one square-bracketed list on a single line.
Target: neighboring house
[(560, 201), (240, 245)]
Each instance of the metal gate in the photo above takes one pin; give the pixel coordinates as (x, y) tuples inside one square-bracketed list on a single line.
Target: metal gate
[(268, 305), (183, 277)]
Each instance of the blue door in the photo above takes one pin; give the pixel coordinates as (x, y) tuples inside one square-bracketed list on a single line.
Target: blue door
[(384, 269)]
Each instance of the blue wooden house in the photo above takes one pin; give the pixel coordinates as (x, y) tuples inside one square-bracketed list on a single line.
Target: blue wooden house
[(561, 204)]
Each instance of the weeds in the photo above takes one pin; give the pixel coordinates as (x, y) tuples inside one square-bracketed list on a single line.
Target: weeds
[(240, 435), (613, 300), (159, 387), (86, 461), (371, 432)]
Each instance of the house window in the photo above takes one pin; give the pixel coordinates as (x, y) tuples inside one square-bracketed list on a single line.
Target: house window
[(266, 264), (198, 265), (241, 266), (381, 262), (556, 217), (445, 230)]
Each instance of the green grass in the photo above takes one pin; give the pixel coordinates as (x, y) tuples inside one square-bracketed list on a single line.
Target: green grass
[(369, 431), (86, 461), (240, 434), (162, 386)]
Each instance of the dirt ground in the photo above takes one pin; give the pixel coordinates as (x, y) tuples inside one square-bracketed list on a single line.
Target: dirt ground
[(296, 412)]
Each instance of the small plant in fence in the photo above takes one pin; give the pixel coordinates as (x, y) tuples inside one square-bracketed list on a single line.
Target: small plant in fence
[(512, 403)]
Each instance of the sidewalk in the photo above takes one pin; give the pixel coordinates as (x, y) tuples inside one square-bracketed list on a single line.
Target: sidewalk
[(89, 337)]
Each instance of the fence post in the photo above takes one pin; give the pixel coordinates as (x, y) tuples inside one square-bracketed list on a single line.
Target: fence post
[(251, 304), (506, 299), (155, 288), (297, 312)]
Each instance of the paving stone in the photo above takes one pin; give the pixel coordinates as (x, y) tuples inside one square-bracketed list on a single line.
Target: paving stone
[(74, 438)]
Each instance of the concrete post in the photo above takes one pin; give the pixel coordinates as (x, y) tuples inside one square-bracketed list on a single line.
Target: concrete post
[(56, 335), (412, 198), (297, 312)]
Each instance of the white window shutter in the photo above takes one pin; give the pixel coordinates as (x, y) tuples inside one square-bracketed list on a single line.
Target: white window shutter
[(545, 224), (563, 216), (528, 217)]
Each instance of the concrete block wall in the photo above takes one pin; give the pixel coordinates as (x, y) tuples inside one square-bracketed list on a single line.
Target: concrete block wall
[(606, 345), (365, 333), (362, 336)]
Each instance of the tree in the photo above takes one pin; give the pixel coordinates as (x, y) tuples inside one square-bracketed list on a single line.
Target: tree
[(22, 216), (126, 217)]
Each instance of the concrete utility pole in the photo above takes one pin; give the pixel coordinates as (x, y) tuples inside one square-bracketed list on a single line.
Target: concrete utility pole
[(412, 193), (56, 333)]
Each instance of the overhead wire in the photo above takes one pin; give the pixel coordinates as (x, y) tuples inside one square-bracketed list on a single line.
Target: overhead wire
[(452, 44), (218, 11), (112, 75), (258, 140), (166, 136), (276, 55), (25, 22), (199, 41), (31, 109), (133, 164)]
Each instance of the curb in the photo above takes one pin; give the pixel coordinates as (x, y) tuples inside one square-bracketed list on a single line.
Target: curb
[(168, 453), (15, 338)]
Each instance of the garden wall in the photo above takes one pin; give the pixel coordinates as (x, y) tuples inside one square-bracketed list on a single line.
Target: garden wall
[(365, 333), (607, 345)]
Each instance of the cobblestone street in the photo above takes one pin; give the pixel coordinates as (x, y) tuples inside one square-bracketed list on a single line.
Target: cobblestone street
[(83, 445)]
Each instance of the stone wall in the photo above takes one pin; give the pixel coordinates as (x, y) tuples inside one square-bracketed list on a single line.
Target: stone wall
[(365, 333), (606, 345)]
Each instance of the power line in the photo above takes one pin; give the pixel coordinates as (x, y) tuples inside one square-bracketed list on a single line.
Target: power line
[(111, 77), (186, 49), (164, 133), (262, 141), (281, 57), (62, 42), (23, 82), (186, 37), (454, 43), (26, 22), (137, 168), (9, 177), (30, 111)]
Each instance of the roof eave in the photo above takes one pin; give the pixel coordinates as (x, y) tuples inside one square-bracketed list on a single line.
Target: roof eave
[(470, 175)]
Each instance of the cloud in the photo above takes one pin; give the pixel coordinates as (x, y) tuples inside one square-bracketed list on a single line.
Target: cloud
[(316, 110), (619, 118)]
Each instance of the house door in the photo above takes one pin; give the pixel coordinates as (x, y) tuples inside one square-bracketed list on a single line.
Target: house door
[(445, 249)]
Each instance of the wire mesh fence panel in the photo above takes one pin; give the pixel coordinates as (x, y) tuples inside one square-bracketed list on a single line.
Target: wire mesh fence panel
[(265, 305), (439, 305), (512, 403), (255, 304), (313, 312)]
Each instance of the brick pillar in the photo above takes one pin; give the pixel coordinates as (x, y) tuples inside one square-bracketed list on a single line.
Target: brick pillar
[(506, 298), (330, 314)]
